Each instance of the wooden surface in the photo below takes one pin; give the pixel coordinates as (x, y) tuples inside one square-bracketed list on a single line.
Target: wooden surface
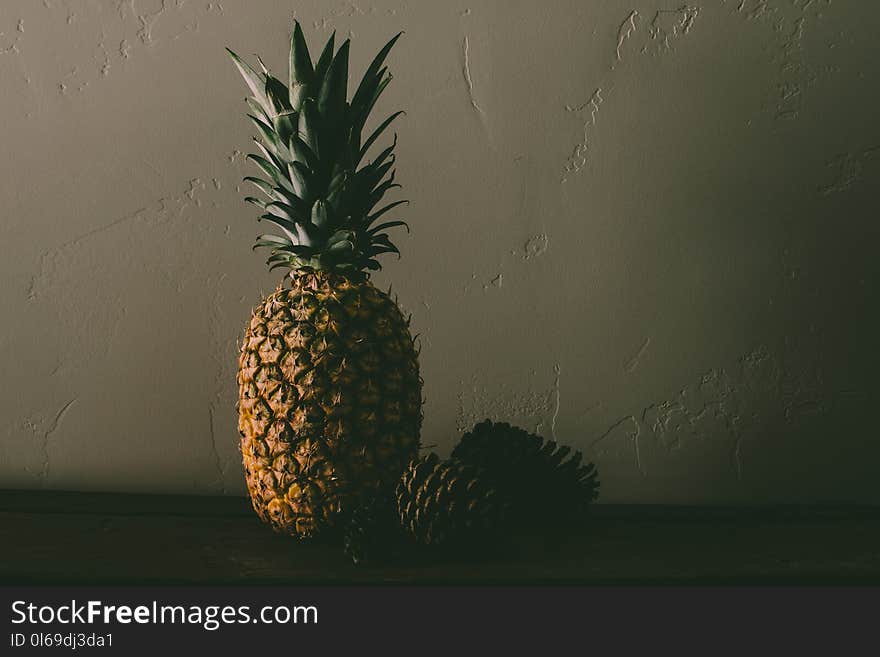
[(49, 537)]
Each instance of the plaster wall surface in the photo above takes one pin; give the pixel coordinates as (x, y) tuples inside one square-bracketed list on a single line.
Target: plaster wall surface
[(645, 228)]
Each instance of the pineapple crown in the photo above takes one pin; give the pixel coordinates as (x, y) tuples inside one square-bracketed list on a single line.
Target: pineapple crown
[(320, 198)]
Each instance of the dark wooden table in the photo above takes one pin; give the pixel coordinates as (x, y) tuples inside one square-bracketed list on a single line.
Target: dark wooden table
[(84, 538)]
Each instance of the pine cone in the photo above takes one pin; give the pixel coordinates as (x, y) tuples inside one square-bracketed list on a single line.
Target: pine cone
[(448, 503), (543, 482)]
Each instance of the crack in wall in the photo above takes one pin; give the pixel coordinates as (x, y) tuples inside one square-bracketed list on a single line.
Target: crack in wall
[(525, 404), (345, 10), (790, 22), (633, 362), (627, 29), (11, 45), (47, 435), (132, 23), (160, 208), (577, 160), (656, 36), (849, 170), (666, 25), (557, 369), (466, 72), (496, 282), (147, 21), (535, 246), (682, 19), (632, 435), (734, 404), (737, 457), (670, 24)]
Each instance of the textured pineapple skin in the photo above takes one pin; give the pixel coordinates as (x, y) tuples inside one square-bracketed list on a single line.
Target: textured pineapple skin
[(329, 399)]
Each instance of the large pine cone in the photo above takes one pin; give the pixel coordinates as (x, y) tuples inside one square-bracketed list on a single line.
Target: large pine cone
[(542, 480)]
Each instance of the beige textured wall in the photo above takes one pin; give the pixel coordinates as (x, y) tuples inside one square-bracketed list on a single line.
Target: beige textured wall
[(648, 230)]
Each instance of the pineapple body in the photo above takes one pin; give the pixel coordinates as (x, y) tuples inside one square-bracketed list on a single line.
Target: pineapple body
[(329, 399)]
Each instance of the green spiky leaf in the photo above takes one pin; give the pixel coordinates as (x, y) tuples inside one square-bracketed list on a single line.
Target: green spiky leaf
[(302, 152), (339, 236), (299, 250), (325, 59), (331, 98), (381, 157), (288, 227), (308, 127), (378, 173), (270, 140), (277, 93), (370, 76), (320, 214), (255, 82), (299, 179), (306, 234), (384, 82), (310, 145), (302, 74), (381, 190), (343, 246), (269, 169), (383, 210), (272, 241), (378, 250), (262, 185), (386, 225), (265, 166), (377, 133), (286, 125), (258, 110), (294, 200), (287, 211)]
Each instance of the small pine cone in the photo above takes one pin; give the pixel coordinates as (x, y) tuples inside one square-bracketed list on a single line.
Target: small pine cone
[(448, 502), (545, 481), (372, 530)]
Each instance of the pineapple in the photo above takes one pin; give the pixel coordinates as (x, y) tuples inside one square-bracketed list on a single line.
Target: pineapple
[(329, 386)]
